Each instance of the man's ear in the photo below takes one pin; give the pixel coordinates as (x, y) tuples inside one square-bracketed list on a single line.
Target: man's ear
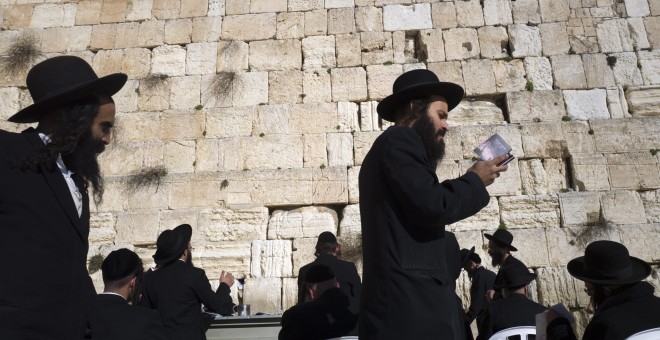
[(310, 293), (131, 284)]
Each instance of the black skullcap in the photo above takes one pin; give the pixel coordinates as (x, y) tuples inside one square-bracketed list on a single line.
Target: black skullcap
[(319, 273), (119, 264), (327, 237)]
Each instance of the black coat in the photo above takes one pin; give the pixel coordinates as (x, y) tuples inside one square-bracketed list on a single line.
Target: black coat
[(346, 274), (516, 310), (407, 285), (324, 318), (43, 248), (499, 279), (177, 292), (482, 280), (112, 318)]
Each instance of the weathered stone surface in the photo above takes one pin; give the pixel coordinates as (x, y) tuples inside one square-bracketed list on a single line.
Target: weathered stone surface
[(271, 259), (614, 36), (597, 72), (102, 228), (493, 41), (497, 12), (554, 10), (103, 37), (532, 246), (525, 41), (641, 240), (317, 86), (431, 45), (136, 227), (137, 11), (231, 256), (535, 211), (234, 7), (289, 293), (651, 200), (587, 104), (614, 135), (339, 3), (178, 32), (443, 15), (302, 222), (185, 100), (626, 71), (525, 11), (249, 26), (526, 106), (644, 100), (623, 207), (479, 77), (305, 5), (9, 101), (169, 60), (543, 140), (637, 170), (540, 177), (380, 79), (264, 295), (397, 17), (580, 208), (565, 244), (539, 72), (554, 38), (568, 72), (53, 15), (558, 286), (316, 22), (87, 12), (290, 25), (285, 86), (476, 112), (152, 33), (472, 135), (376, 47), (638, 33), (616, 102), (229, 122), (448, 71), (268, 6), (469, 13), (350, 223), (353, 186), (349, 84), (637, 8), (590, 172), (650, 65), (319, 52), (244, 224), (362, 143), (166, 9), (340, 149), (347, 47), (180, 156), (272, 152), (485, 219), (232, 56), (369, 116), (509, 75), (652, 25), (206, 28), (303, 252), (314, 150), (368, 19), (341, 21), (461, 43), (269, 55)]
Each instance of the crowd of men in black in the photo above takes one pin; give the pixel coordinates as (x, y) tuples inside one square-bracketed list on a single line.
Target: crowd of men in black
[(410, 262)]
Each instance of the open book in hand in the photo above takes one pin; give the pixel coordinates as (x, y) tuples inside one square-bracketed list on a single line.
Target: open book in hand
[(494, 147)]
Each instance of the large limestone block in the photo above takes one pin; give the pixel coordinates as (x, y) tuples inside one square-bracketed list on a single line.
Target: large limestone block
[(87, 12), (525, 41), (350, 224), (377, 47), (107, 61), (558, 286), (206, 155), (637, 8), (303, 252), (476, 112), (540, 177), (319, 52), (348, 117), (362, 143), (643, 100), (539, 72), (353, 186), (232, 56), (448, 71), (461, 43), (580, 208), (626, 71), (469, 13), (9, 102), (127, 97), (398, 17), (243, 224), (102, 228), (250, 27), (137, 11), (229, 122), (127, 35), (269, 55), (273, 151), (532, 211), (443, 15), (152, 33), (479, 77), (614, 36), (636, 170), (188, 99), (285, 86), (590, 172), (597, 71), (103, 37), (486, 218), (290, 25), (262, 6), (497, 12), (341, 21), (178, 32), (349, 84), (250, 89), (169, 60), (532, 246), (369, 120), (305, 5), (316, 22), (233, 257), (554, 38), (380, 79), (340, 149), (301, 222), (155, 196), (206, 29), (493, 41), (652, 25), (201, 58), (565, 244), (623, 207), (121, 159), (638, 33), (586, 104), (198, 192), (650, 64), (368, 19), (289, 293), (526, 106), (136, 227), (554, 10), (264, 295), (166, 9), (234, 7), (431, 45), (294, 119), (525, 11), (53, 15), (543, 140), (616, 102), (348, 50), (642, 240), (317, 86), (18, 16), (651, 200), (180, 156), (472, 135), (509, 75), (614, 135), (568, 71), (271, 259)]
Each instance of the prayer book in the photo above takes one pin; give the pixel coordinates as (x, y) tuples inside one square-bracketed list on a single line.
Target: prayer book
[(494, 147)]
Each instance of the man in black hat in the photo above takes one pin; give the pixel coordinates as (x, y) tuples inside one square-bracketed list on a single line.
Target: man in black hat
[(327, 252), (177, 288), (404, 210), (111, 316), (45, 174), (482, 280), (516, 308), (499, 249), (624, 304), (326, 316)]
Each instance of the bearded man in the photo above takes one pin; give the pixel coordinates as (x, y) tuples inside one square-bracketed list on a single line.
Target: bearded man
[(407, 285), (45, 174)]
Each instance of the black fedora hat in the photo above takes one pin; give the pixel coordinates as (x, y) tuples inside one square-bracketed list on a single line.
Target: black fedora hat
[(515, 275), (171, 244), (417, 84), (608, 262), (56, 81), (466, 255), (503, 237)]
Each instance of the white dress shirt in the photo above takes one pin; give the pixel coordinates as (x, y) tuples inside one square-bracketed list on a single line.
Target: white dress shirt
[(75, 193)]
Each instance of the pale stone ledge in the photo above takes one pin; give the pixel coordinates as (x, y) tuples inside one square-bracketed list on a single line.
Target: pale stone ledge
[(271, 259), (301, 222), (533, 211), (612, 135), (397, 17)]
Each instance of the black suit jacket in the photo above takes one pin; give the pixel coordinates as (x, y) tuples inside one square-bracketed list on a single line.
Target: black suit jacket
[(112, 318), (499, 279), (346, 274), (482, 280), (516, 310), (177, 292), (43, 248), (324, 318), (407, 285)]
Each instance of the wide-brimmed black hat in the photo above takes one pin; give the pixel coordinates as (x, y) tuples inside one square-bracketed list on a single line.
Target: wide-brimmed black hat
[(418, 84), (171, 244), (608, 262), (120, 264), (515, 275), (502, 237), (466, 255), (61, 80)]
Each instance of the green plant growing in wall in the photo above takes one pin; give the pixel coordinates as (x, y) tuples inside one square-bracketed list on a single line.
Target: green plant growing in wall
[(529, 86), (95, 263), (199, 107), (223, 83), (22, 52), (322, 166), (566, 118), (654, 152), (146, 178), (224, 184), (611, 61), (502, 226)]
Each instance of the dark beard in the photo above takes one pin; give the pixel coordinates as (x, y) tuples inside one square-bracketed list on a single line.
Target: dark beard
[(497, 254), (435, 149), (189, 260), (470, 272), (83, 161), (598, 296)]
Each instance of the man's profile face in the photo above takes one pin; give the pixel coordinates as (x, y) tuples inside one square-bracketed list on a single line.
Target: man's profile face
[(439, 112), (103, 122), (496, 253), (432, 126)]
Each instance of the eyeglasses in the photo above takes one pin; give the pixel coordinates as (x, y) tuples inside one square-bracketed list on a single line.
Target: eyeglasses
[(588, 290)]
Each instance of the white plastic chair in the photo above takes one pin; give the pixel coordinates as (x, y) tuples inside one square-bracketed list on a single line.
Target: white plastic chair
[(649, 334), (522, 331), (347, 337)]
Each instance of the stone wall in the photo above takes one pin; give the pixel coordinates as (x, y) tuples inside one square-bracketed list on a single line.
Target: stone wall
[(254, 117)]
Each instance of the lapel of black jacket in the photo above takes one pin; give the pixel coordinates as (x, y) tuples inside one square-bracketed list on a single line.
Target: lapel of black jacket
[(60, 188)]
